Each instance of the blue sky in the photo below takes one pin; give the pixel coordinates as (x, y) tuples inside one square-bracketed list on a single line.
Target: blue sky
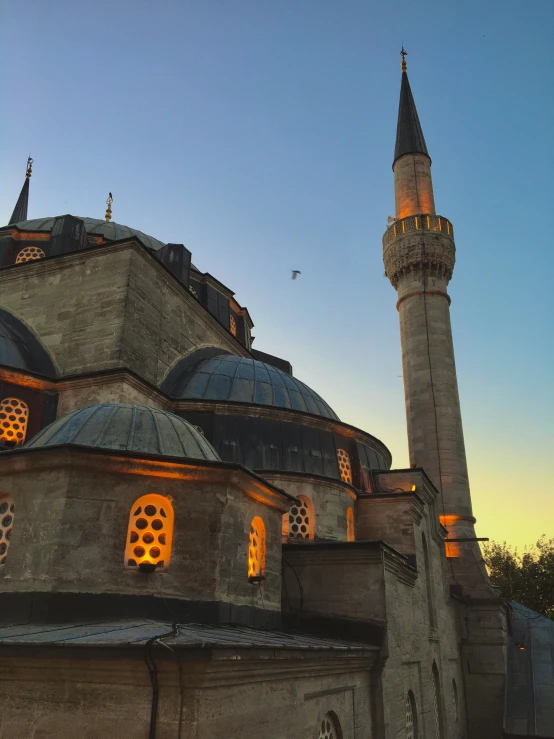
[(260, 134)]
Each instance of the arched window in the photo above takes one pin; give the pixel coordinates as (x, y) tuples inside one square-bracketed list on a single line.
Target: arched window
[(350, 532), (7, 509), (345, 468), (14, 414), (232, 324), (301, 519), (437, 706), (456, 709), (428, 582), (330, 727), (29, 253), (150, 532), (411, 717), (256, 548)]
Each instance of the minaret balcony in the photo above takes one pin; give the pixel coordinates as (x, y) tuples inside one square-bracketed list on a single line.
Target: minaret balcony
[(412, 224)]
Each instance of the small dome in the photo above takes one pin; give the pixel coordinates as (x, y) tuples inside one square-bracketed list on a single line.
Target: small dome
[(19, 348), (109, 230), (245, 380), (133, 428)]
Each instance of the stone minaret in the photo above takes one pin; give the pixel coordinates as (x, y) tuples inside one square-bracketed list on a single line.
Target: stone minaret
[(419, 255)]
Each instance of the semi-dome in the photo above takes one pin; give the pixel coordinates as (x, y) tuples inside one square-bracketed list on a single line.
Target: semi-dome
[(244, 380), (109, 230), (20, 349), (132, 428)]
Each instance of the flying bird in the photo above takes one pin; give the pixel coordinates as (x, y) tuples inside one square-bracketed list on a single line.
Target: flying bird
[(295, 273)]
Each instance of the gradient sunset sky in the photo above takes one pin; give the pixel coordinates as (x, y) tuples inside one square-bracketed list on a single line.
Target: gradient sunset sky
[(261, 134)]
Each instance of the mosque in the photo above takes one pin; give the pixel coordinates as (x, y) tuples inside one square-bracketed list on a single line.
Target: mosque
[(194, 544)]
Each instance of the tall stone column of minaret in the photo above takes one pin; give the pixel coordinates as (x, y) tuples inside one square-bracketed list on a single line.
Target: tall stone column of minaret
[(419, 255)]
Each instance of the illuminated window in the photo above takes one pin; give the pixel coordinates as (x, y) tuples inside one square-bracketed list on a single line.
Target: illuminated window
[(232, 325), (301, 519), (29, 253), (7, 509), (344, 465), (437, 703), (411, 717), (330, 728), (350, 532), (150, 532), (256, 548), (14, 414)]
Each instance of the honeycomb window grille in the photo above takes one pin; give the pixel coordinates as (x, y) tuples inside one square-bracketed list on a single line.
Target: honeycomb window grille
[(345, 468), (301, 519), (7, 512), (330, 728), (411, 717), (14, 415), (350, 530), (29, 253), (150, 533), (256, 548), (232, 324)]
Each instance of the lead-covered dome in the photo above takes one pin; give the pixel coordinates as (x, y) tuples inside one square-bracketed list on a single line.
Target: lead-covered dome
[(244, 380), (20, 349), (126, 427), (109, 230)]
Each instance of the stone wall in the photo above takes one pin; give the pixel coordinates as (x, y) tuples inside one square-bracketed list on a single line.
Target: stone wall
[(413, 186)]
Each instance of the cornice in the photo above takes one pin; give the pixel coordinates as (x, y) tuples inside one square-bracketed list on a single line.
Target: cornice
[(296, 477)]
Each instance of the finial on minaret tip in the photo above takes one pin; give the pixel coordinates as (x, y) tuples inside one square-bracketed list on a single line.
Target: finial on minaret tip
[(109, 202), (403, 54), (29, 167)]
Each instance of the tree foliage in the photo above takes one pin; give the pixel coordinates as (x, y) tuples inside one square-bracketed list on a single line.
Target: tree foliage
[(527, 577)]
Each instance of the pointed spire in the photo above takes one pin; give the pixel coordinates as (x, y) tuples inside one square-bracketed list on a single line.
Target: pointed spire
[(409, 136), (20, 211)]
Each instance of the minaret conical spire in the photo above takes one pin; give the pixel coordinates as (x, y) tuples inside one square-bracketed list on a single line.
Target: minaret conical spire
[(20, 211), (409, 135)]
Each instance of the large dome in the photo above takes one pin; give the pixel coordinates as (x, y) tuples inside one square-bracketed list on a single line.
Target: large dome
[(133, 428), (109, 230), (19, 348), (244, 380)]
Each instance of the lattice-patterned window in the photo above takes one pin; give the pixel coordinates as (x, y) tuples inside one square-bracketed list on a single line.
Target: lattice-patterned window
[(437, 703), (411, 717), (150, 532), (301, 519), (256, 548), (232, 324), (344, 465), (29, 253), (350, 530), (14, 414), (7, 509), (329, 728)]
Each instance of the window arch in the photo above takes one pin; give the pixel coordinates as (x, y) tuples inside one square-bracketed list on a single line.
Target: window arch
[(14, 414), (345, 468), (256, 548), (301, 519), (456, 708), (428, 582), (411, 717), (29, 253), (350, 529), (150, 532), (437, 705), (7, 512), (330, 727)]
